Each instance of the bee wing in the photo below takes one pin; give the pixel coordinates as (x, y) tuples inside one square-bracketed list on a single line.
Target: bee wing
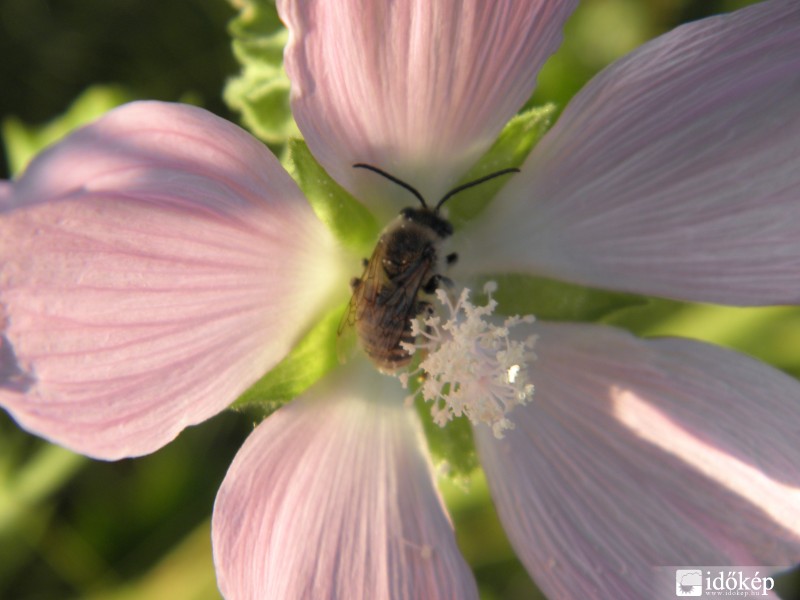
[(384, 303), (395, 303), (365, 292), (345, 339)]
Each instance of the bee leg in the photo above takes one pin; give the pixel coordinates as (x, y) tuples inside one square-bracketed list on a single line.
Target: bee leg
[(431, 285), (424, 307), (365, 262), (452, 258), (355, 283), (435, 282)]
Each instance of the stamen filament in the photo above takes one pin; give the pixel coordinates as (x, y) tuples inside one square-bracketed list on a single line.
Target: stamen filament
[(474, 365)]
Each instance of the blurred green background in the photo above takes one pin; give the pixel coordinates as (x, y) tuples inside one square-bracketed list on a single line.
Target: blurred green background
[(139, 529)]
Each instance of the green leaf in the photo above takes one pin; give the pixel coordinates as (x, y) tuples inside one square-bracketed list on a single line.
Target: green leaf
[(26, 485), (347, 218), (24, 142), (314, 356), (553, 300), (261, 91), (510, 149)]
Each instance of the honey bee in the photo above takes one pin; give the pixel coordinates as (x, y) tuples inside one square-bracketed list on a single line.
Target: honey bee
[(404, 265)]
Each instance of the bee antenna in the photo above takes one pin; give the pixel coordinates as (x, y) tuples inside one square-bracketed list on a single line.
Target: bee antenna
[(399, 182), (470, 184)]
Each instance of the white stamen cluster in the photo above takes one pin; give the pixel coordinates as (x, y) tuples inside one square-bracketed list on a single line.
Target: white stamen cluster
[(472, 366)]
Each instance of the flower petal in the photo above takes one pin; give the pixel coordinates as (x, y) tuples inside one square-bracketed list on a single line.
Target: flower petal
[(418, 88), (5, 195), (154, 265), (331, 497), (636, 454), (675, 172)]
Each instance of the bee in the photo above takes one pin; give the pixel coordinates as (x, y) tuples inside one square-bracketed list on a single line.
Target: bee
[(404, 265)]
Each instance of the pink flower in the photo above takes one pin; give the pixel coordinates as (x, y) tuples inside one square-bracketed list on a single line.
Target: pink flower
[(156, 263)]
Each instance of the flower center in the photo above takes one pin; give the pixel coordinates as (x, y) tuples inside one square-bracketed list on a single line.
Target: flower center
[(475, 363)]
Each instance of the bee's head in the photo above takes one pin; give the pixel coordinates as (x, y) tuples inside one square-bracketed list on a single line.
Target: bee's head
[(424, 215), (430, 219)]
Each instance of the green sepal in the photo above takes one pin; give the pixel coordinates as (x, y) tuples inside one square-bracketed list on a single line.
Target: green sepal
[(511, 148), (23, 142), (261, 91), (257, 411), (452, 446), (313, 357), (645, 319), (553, 300), (352, 224)]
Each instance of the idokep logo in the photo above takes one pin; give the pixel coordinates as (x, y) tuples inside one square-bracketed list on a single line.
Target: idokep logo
[(688, 582), (708, 582)]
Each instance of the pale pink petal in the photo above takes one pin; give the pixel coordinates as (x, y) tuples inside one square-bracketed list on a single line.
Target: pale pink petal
[(5, 195), (675, 172), (332, 497), (638, 454), (417, 88), (155, 265)]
